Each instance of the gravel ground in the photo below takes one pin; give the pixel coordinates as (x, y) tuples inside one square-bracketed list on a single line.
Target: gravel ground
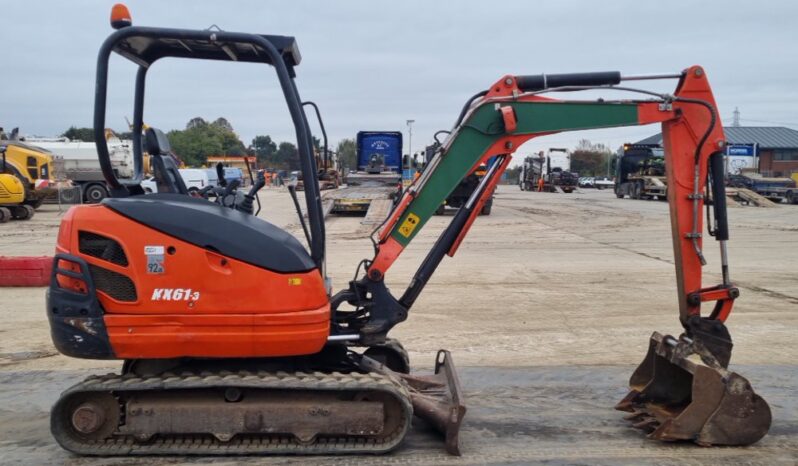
[(547, 307)]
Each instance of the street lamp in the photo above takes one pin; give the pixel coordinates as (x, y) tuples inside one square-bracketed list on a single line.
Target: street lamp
[(410, 137)]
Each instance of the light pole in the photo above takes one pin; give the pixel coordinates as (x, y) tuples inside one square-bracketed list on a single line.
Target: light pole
[(410, 137)]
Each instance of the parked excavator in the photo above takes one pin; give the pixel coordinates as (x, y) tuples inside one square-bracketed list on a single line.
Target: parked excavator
[(12, 195), (233, 341), (32, 165)]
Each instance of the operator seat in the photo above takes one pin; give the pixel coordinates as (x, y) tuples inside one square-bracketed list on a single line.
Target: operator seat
[(164, 167)]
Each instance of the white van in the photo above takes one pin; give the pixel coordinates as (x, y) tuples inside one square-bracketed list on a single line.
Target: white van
[(194, 178)]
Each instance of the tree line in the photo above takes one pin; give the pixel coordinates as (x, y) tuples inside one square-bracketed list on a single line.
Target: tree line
[(201, 139), (589, 159)]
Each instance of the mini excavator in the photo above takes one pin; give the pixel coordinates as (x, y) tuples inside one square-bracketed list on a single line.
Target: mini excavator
[(233, 341)]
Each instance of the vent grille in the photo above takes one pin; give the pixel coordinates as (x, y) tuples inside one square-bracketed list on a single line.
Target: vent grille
[(115, 285), (101, 247)]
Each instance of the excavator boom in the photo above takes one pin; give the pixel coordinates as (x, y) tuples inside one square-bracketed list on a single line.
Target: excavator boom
[(671, 397)]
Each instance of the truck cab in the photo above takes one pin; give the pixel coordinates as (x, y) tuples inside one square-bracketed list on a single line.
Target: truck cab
[(640, 172)]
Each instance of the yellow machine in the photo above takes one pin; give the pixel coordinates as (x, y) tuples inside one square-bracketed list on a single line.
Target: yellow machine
[(32, 165), (12, 196)]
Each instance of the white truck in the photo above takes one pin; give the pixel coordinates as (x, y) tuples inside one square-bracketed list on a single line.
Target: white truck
[(77, 161), (194, 178), (559, 158)]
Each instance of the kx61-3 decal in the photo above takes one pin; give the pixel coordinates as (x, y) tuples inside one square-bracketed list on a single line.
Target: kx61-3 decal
[(174, 294)]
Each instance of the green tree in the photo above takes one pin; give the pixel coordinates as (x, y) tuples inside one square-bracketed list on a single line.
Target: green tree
[(223, 123), (79, 134), (590, 159), (196, 122), (193, 146), (287, 156), (513, 174), (200, 139), (347, 154), (264, 148)]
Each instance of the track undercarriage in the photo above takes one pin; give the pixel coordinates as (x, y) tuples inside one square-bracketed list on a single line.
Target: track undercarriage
[(188, 407)]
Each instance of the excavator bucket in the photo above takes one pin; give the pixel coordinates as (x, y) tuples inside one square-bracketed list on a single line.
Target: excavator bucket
[(438, 400), (682, 391)]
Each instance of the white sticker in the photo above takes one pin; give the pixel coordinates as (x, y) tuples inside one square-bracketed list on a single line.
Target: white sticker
[(154, 259), (153, 250)]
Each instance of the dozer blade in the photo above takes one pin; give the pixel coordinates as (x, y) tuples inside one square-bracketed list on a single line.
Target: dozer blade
[(681, 392), (437, 399)]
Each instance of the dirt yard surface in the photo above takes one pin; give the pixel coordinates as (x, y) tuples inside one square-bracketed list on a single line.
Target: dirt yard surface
[(547, 307)]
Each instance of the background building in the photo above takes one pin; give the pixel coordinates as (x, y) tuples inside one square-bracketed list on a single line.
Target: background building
[(772, 150)]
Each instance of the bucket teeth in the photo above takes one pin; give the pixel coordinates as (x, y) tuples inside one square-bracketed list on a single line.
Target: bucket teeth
[(678, 396), (648, 424), (635, 415)]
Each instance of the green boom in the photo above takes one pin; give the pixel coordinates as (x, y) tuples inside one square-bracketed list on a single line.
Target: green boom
[(485, 126)]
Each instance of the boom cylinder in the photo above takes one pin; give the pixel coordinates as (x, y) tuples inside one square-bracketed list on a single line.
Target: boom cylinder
[(447, 239)]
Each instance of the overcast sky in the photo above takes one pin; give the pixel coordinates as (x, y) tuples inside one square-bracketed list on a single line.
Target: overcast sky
[(372, 65)]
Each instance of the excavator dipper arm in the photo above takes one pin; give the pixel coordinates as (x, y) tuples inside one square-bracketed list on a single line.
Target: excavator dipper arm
[(492, 126), (513, 112)]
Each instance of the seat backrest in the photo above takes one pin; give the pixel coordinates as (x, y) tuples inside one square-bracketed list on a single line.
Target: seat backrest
[(164, 167)]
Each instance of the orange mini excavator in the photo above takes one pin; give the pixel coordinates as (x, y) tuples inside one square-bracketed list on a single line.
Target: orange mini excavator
[(232, 339)]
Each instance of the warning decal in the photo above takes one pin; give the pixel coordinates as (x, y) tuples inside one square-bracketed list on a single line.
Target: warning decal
[(410, 224)]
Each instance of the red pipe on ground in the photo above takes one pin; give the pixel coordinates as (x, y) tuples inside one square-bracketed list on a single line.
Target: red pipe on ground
[(25, 271)]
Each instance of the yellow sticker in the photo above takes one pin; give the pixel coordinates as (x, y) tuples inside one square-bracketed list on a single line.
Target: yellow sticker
[(294, 281), (410, 224)]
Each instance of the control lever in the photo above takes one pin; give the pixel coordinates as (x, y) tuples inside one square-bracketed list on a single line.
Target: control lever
[(203, 193), (232, 186), (228, 195), (246, 205), (220, 179)]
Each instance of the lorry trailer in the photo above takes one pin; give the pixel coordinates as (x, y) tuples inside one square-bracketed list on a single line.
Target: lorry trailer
[(640, 172)]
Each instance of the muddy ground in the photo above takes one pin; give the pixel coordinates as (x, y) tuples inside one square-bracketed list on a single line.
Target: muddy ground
[(547, 307)]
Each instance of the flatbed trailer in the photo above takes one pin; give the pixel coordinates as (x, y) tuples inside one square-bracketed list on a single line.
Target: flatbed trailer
[(643, 187), (775, 189), (364, 194)]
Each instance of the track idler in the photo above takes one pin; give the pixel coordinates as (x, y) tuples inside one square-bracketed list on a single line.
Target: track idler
[(684, 391)]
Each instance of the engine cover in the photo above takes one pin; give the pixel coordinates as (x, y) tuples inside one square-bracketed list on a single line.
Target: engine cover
[(160, 296)]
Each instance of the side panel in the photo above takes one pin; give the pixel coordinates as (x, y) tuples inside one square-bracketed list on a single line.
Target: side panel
[(218, 335), (180, 300), (191, 280)]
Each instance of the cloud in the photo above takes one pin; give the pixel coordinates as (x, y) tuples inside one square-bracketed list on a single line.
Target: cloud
[(374, 64)]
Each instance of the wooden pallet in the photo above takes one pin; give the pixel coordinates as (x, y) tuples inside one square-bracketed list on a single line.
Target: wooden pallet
[(749, 197), (378, 211)]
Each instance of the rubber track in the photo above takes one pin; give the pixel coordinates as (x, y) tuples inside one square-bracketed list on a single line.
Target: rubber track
[(249, 444)]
